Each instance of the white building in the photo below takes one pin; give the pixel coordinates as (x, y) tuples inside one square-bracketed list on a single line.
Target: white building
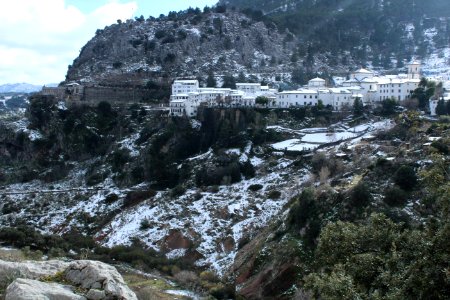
[(364, 84), (184, 86), (249, 88), (378, 88), (187, 96), (302, 97)]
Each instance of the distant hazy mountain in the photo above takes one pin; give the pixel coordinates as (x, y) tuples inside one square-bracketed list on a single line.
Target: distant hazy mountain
[(19, 88)]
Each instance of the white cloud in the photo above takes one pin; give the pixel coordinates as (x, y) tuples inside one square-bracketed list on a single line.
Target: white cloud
[(39, 39)]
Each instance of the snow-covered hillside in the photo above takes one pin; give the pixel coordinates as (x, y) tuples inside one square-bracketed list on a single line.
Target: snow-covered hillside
[(209, 224)]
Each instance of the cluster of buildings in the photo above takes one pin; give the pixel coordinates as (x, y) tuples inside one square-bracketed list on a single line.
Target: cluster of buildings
[(187, 96)]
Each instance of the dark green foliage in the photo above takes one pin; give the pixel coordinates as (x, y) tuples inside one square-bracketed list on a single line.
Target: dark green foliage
[(441, 147), (360, 195), (177, 191), (381, 259), (111, 198), (117, 65), (261, 100), (255, 187), (211, 80), (229, 82), (169, 39), (118, 159), (170, 58), (145, 224), (440, 108), (247, 169), (106, 117), (160, 34), (274, 194), (424, 92), (406, 178), (388, 107), (358, 107), (40, 110), (303, 209), (395, 196)]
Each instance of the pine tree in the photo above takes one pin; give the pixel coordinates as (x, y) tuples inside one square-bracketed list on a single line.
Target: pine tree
[(440, 108), (211, 80), (358, 107)]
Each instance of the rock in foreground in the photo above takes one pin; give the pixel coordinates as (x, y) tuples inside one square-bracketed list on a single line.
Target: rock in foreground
[(96, 280)]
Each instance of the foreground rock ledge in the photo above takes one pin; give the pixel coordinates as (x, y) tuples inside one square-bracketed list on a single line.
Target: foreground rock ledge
[(98, 281)]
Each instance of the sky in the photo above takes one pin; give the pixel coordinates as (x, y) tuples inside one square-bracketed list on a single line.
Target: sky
[(40, 38)]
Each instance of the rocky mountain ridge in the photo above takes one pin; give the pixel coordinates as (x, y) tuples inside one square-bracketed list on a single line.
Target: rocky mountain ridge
[(188, 44), (250, 46)]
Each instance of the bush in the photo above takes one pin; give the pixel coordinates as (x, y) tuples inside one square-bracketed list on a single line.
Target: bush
[(160, 34), (111, 198), (405, 177), (360, 195), (255, 187), (274, 195), (145, 224), (441, 147), (395, 196), (177, 191), (303, 208)]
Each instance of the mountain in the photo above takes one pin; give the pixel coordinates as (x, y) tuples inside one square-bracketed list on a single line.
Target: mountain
[(19, 88), (288, 41), (185, 44), (376, 32)]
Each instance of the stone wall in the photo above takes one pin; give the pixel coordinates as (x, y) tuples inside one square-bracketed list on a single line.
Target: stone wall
[(113, 95)]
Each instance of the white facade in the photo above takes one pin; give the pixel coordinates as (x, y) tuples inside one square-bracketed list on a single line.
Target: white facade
[(302, 97), (249, 88), (316, 83), (187, 96), (184, 86), (378, 88)]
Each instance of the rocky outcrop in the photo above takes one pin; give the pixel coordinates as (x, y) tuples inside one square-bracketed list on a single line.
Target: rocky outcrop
[(98, 277), (97, 281), (192, 44), (32, 269), (26, 289)]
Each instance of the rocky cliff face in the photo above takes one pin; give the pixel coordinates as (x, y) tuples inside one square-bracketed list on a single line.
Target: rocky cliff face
[(188, 44)]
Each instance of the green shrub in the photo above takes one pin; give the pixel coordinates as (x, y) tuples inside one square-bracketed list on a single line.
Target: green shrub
[(274, 194), (111, 198), (360, 195), (395, 196), (303, 208), (255, 187), (441, 147), (145, 224), (177, 191), (405, 177)]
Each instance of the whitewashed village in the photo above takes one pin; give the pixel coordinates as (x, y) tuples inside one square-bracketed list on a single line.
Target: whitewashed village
[(187, 96)]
